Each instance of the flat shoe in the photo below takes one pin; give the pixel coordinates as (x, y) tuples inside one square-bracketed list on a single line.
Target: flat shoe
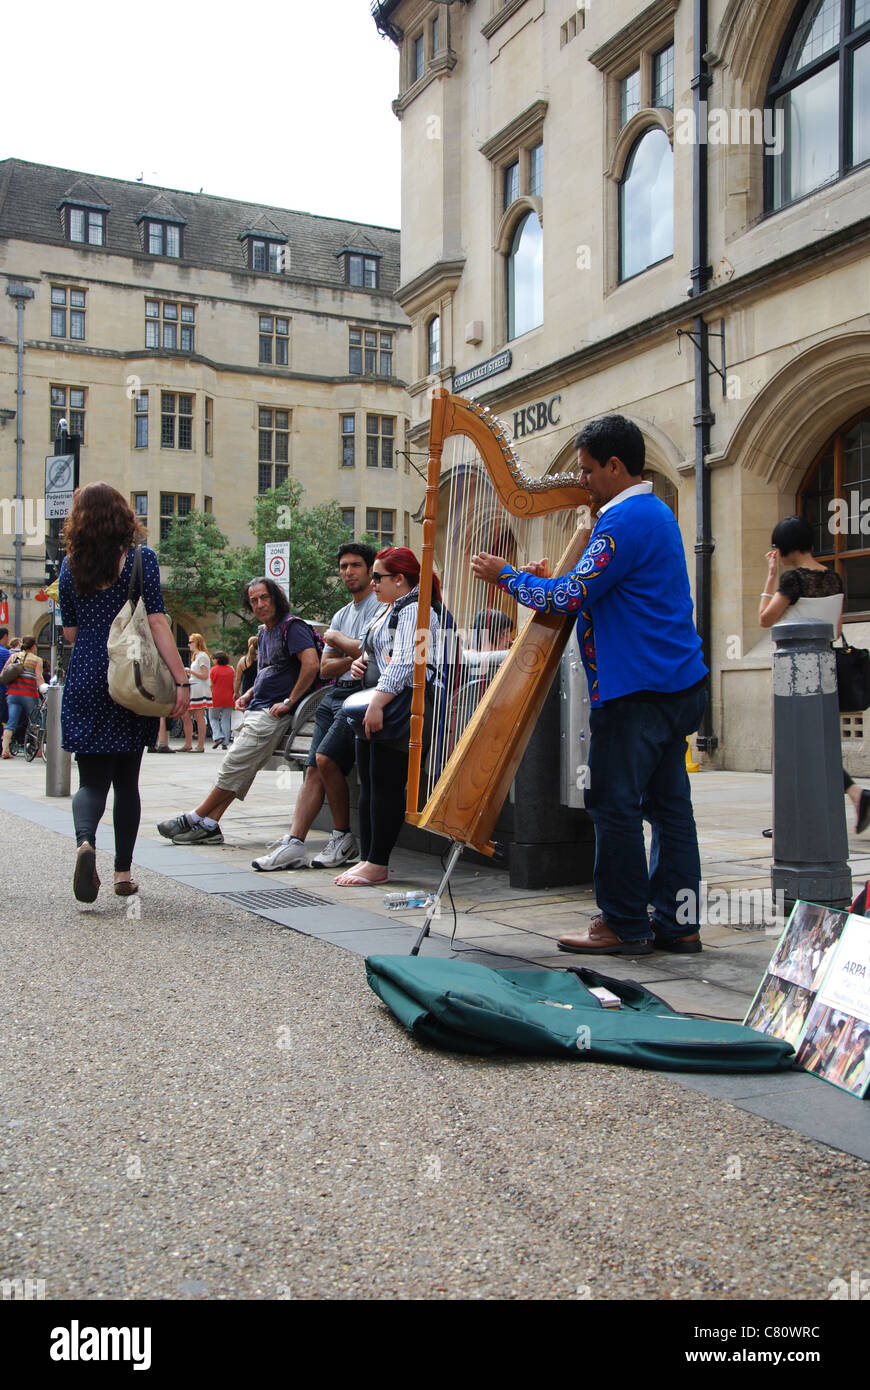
[(679, 945), (126, 888), (599, 940), (354, 881), (86, 882)]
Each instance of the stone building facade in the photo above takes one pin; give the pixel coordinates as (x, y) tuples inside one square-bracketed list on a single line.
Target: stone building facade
[(205, 350), (552, 161)]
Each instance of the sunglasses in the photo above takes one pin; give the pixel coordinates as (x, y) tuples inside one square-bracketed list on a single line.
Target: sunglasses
[(376, 577)]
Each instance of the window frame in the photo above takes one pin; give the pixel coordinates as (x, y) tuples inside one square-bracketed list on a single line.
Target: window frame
[(179, 417), (274, 425), (74, 413), (140, 415), (71, 312), (386, 536), (163, 226), (92, 217), (347, 434), (642, 134), (841, 55), (181, 320), (383, 439), (182, 506), (274, 342), (839, 555), (382, 348)]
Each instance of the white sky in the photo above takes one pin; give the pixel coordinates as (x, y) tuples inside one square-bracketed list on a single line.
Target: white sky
[(273, 101)]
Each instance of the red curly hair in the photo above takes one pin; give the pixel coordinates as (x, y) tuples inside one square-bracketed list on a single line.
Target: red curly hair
[(99, 528)]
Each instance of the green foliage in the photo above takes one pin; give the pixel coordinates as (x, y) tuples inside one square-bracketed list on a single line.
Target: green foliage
[(206, 574), (314, 533)]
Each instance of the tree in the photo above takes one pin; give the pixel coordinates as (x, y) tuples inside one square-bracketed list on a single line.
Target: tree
[(206, 574), (314, 534)]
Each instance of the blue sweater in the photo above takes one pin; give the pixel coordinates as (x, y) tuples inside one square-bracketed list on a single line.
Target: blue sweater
[(631, 591)]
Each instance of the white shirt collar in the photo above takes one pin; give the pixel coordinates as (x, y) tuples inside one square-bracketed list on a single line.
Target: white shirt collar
[(639, 490)]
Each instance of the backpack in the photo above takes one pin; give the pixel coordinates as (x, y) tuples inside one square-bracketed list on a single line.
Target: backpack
[(13, 668)]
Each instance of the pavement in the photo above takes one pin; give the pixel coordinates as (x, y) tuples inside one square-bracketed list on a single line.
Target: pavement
[(200, 1103)]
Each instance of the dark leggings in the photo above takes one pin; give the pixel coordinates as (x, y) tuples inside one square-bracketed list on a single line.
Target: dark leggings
[(98, 772), (383, 772)]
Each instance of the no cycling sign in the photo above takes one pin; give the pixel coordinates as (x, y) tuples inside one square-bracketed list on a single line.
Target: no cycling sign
[(277, 563)]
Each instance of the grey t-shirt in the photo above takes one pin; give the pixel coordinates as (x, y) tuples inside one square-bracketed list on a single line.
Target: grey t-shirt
[(352, 620)]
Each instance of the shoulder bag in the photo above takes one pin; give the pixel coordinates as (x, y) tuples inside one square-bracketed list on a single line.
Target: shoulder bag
[(139, 678), (853, 677)]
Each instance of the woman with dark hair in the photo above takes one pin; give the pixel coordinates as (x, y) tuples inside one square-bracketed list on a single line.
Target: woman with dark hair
[(808, 592), (100, 534), (222, 699), (383, 764), (22, 692)]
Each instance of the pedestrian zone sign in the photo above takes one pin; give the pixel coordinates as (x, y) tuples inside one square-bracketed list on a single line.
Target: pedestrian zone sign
[(59, 485), (277, 565)]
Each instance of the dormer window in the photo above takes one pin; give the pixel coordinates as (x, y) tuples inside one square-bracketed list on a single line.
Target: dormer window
[(83, 224), (267, 256), (162, 238)]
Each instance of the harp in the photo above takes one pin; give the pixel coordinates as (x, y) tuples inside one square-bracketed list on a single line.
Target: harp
[(478, 498)]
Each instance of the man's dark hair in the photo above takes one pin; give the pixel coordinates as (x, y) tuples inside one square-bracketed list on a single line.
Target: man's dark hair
[(491, 622), (4, 632), (792, 533), (612, 436), (221, 659), (276, 594), (365, 552)]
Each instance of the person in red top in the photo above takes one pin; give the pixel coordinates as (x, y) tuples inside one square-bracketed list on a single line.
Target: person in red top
[(222, 678), (22, 693)]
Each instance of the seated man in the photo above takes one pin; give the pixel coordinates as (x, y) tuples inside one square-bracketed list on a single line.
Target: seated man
[(333, 749), (287, 664)]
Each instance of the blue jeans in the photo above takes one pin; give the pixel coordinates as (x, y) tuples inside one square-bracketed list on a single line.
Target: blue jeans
[(221, 721), (20, 709), (637, 772)]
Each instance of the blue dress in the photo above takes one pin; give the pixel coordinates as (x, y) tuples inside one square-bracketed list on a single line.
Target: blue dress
[(91, 721)]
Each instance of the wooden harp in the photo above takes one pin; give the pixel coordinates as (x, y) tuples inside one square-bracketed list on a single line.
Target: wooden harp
[(488, 498)]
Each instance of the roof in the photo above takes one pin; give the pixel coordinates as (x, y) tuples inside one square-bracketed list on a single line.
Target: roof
[(32, 198)]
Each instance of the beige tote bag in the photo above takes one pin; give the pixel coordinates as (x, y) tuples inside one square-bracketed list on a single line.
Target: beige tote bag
[(139, 678)]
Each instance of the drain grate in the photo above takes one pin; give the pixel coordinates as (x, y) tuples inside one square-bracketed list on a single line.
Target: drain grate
[(266, 898)]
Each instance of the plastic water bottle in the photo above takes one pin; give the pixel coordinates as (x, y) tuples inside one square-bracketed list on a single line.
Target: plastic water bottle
[(415, 897)]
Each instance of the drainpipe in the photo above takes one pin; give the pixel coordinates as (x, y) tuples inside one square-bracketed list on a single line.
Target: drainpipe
[(20, 293), (703, 417)]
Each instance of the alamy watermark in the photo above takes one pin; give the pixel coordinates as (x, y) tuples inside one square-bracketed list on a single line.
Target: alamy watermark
[(734, 125), (23, 516), (745, 907)]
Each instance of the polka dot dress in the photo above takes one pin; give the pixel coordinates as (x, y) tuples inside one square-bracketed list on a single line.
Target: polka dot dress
[(91, 722)]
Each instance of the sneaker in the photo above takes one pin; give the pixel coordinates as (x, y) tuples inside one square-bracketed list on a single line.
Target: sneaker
[(286, 854), (170, 828), (199, 834), (342, 849)]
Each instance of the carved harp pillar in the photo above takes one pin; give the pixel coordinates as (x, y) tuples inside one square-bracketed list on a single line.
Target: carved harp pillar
[(496, 671)]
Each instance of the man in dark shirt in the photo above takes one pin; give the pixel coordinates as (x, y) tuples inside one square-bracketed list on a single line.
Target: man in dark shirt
[(287, 664)]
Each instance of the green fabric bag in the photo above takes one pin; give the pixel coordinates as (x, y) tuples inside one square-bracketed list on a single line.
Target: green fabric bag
[(468, 1008)]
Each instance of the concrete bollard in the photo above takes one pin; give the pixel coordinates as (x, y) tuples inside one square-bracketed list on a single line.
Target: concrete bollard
[(57, 760), (810, 843)]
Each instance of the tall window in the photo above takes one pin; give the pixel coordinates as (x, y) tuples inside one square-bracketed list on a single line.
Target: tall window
[(273, 448), (139, 503), (380, 437), (274, 339), (382, 525), (68, 403), (208, 428), (536, 171), (140, 419), (646, 204), (831, 497), (663, 77), (629, 97), (176, 420), (348, 441), (370, 352), (820, 93), (173, 505), (418, 57), (162, 238), (525, 277), (433, 344), (511, 184), (348, 519), (85, 225), (75, 300), (169, 325)]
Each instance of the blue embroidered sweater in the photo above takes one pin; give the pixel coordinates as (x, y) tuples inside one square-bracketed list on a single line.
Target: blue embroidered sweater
[(631, 591)]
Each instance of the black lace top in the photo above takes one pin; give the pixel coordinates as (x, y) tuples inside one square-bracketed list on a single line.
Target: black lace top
[(804, 583)]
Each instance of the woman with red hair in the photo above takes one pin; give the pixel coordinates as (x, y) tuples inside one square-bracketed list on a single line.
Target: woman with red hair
[(383, 764)]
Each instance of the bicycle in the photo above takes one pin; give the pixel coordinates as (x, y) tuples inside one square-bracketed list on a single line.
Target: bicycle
[(34, 734)]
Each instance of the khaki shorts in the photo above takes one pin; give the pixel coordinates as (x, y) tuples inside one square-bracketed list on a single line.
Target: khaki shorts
[(253, 745)]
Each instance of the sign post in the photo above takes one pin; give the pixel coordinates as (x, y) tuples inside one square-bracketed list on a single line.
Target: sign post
[(277, 563)]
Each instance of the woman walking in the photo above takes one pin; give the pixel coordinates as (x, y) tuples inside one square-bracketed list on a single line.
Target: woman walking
[(222, 700), (107, 739), (200, 693), (383, 764), (22, 693)]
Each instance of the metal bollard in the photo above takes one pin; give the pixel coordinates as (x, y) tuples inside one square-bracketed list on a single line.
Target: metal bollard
[(57, 760), (810, 843)]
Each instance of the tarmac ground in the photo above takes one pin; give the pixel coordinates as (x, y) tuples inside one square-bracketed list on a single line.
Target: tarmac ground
[(202, 1099)]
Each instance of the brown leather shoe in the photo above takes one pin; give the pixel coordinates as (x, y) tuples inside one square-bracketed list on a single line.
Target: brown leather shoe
[(599, 940), (679, 945)]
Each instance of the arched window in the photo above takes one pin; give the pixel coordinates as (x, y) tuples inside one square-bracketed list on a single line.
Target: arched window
[(834, 497), (525, 277), (433, 344), (646, 204), (820, 98)]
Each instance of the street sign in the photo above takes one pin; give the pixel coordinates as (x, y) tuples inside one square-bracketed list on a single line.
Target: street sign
[(59, 485), (278, 563)]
